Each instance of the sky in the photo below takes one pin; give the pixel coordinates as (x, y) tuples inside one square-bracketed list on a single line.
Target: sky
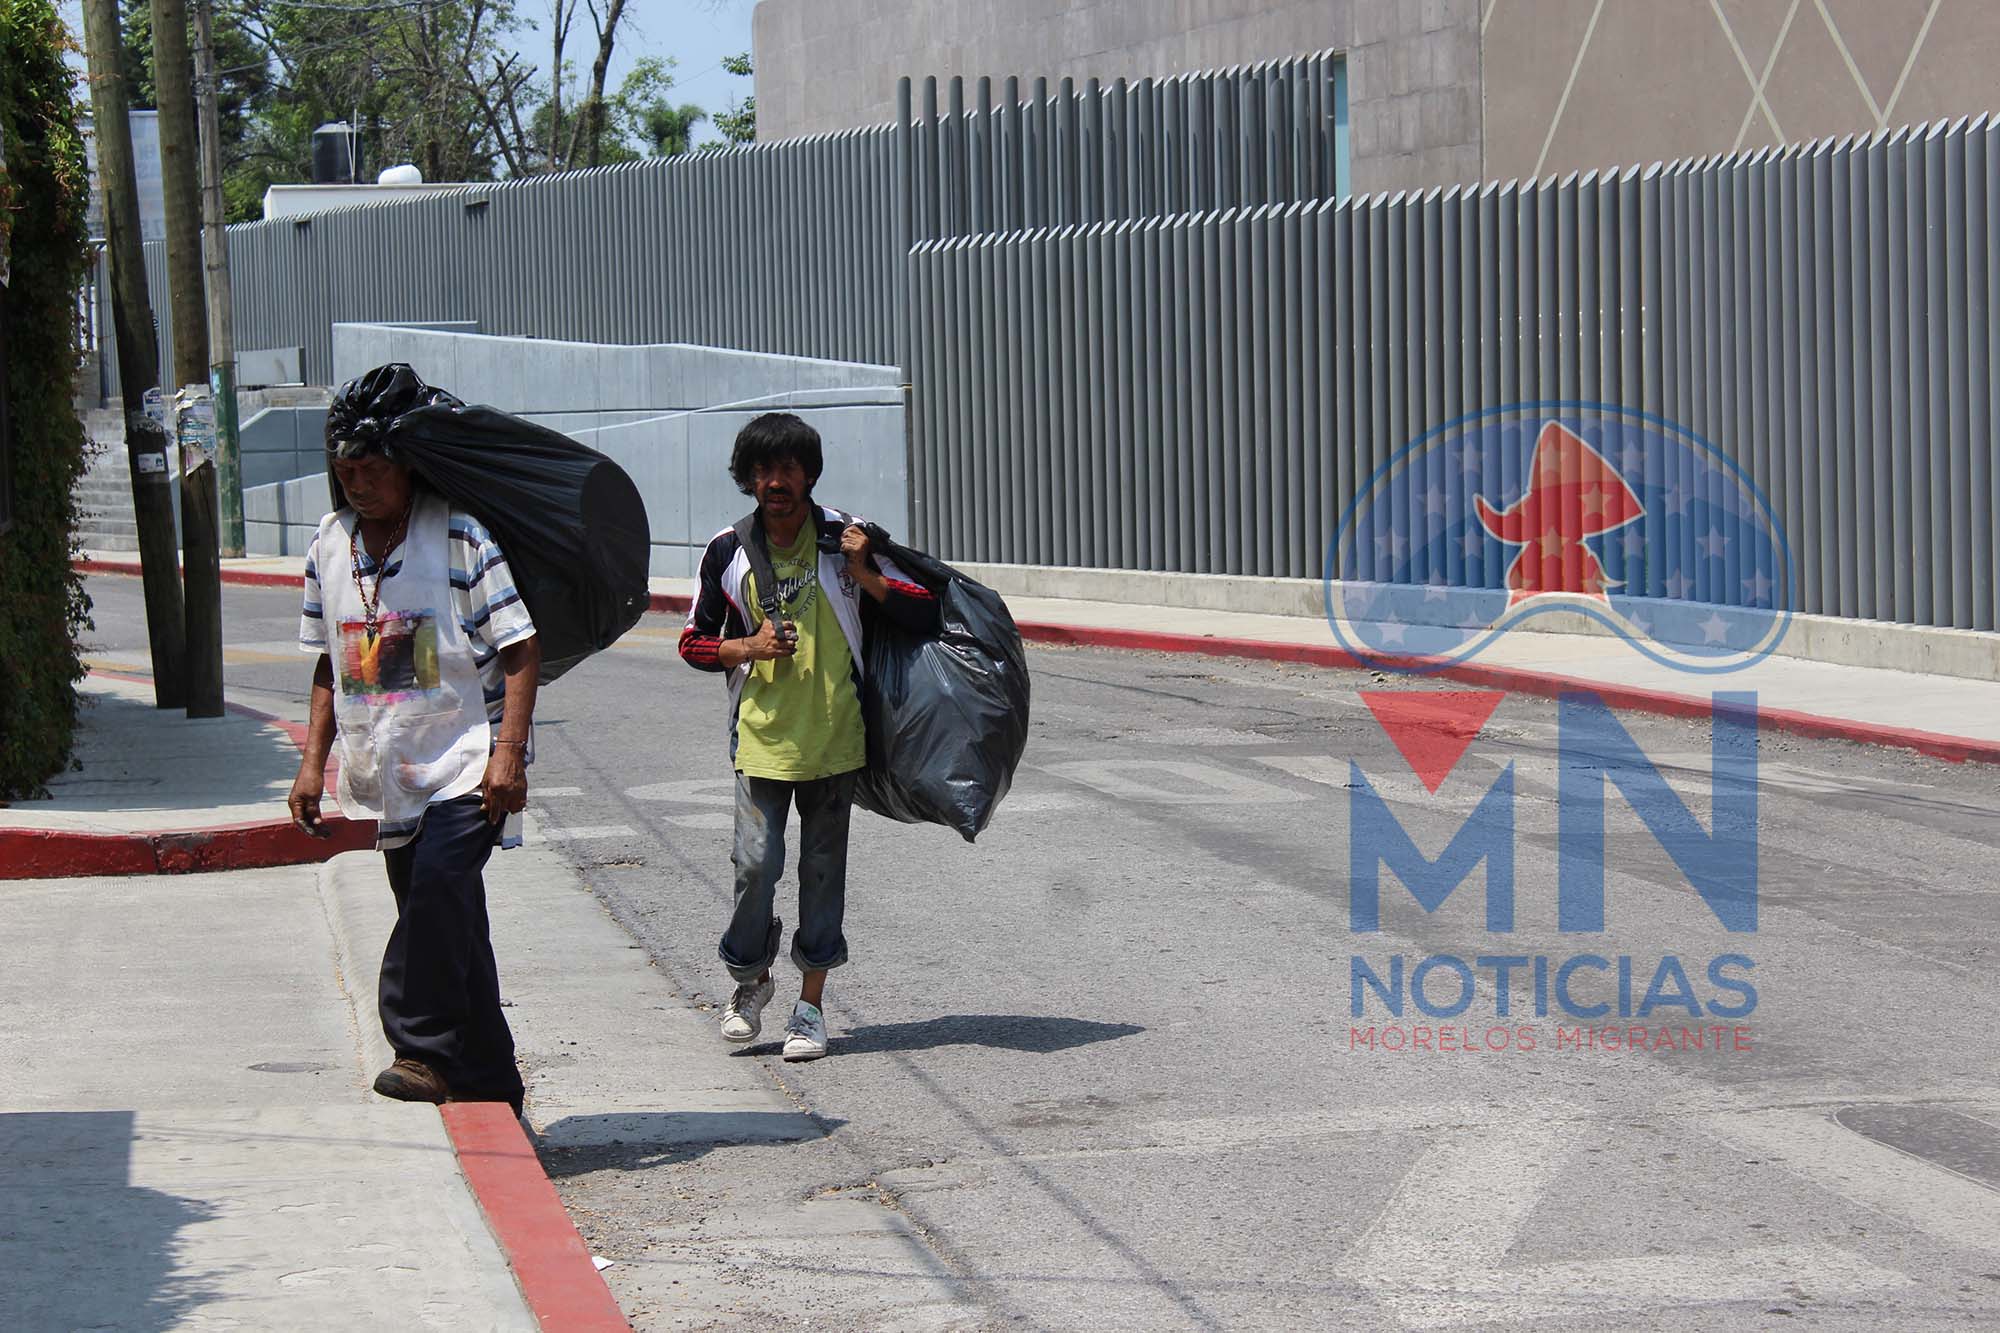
[(695, 33)]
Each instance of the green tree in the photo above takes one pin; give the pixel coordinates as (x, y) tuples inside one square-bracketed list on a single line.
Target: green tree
[(738, 124), (644, 114), (44, 194), (243, 87)]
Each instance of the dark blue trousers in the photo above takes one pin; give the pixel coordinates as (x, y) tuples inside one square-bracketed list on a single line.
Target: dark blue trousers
[(440, 990)]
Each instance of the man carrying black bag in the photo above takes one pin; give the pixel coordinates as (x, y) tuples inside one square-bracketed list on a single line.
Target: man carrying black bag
[(786, 598), (425, 688)]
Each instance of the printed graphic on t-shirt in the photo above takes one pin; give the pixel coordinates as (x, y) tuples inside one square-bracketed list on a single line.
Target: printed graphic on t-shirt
[(397, 664), (798, 586)]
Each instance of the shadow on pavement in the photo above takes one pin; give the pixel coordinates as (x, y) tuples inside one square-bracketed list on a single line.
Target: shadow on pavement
[(641, 1140), (81, 1247), (1036, 1034)]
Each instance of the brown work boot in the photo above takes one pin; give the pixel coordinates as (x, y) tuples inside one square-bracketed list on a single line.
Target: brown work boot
[(411, 1081)]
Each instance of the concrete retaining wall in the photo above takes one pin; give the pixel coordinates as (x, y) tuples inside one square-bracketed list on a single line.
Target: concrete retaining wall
[(1971, 654), (668, 414)]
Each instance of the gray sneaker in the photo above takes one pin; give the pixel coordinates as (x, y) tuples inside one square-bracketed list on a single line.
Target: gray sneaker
[(743, 1019), (805, 1035)]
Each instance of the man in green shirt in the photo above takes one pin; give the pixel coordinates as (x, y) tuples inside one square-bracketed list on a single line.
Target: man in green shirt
[(793, 655)]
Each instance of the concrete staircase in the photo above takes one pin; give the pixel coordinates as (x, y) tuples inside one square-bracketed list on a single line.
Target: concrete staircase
[(104, 491)]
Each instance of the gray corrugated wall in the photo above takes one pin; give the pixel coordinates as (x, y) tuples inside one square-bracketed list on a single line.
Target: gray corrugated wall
[(765, 249), (795, 247), (1204, 392)]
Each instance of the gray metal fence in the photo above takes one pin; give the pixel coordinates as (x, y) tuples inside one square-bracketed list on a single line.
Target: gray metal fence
[(1271, 133), (1202, 393), (796, 247), (785, 248)]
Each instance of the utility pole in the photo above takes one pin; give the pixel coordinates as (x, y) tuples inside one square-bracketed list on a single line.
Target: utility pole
[(138, 354), (173, 71), (221, 312)]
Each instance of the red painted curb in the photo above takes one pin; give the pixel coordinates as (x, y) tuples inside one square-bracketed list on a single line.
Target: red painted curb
[(675, 603), (257, 845), (249, 578), (64, 854), (563, 1288), (1953, 749)]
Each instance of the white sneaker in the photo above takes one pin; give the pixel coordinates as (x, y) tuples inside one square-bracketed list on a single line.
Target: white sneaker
[(743, 1019), (805, 1035)]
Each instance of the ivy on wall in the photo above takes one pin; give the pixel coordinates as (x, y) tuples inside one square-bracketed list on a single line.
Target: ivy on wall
[(44, 192)]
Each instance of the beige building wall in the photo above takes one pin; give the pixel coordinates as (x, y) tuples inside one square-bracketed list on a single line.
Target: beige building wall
[(1578, 84), (1440, 92), (1412, 65)]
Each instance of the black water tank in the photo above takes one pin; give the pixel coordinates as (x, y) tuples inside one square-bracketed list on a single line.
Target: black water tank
[(336, 155)]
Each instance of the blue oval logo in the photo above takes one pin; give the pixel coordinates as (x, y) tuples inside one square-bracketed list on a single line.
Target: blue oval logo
[(1560, 509)]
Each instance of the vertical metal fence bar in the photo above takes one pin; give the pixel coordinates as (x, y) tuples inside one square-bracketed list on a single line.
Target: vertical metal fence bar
[(1204, 325), (1818, 464), (1978, 381), (1864, 346), (1125, 488), (1403, 400), (1915, 455), (1496, 341), (1454, 322), (1304, 328), (1287, 444), (1233, 432), (1068, 439), (1742, 524), (1177, 411), (1645, 388), (1095, 436), (1356, 233), (1426, 378), (1716, 546), (1261, 442), (1946, 538), (1839, 246), (1339, 317), (1017, 438), (1889, 295), (1152, 452)]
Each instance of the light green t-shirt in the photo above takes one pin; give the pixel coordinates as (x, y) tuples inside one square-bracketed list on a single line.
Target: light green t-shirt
[(800, 717)]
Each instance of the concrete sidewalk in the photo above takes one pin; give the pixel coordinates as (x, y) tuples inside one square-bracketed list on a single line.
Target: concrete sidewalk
[(186, 1135), (153, 790)]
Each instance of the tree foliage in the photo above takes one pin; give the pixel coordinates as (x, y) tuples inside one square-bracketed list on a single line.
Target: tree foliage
[(738, 124), (447, 85), (44, 192)]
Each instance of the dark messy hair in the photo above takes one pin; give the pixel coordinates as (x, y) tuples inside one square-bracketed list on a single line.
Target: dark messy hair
[(773, 438)]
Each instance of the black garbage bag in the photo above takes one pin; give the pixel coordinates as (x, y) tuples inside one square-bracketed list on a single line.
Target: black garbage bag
[(570, 520), (947, 716)]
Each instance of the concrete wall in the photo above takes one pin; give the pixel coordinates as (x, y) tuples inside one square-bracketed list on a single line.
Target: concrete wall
[(667, 414), (280, 443), (1413, 65), (1440, 92), (1575, 84), (280, 518)]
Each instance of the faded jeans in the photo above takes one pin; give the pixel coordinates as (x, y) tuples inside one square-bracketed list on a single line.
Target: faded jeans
[(750, 944)]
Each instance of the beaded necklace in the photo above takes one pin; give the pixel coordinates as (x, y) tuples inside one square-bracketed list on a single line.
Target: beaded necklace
[(371, 609)]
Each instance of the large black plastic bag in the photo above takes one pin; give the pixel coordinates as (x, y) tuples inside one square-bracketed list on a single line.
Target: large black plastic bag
[(947, 716), (570, 521)]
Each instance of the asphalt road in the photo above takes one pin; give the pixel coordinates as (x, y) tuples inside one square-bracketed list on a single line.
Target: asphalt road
[(1107, 1061)]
